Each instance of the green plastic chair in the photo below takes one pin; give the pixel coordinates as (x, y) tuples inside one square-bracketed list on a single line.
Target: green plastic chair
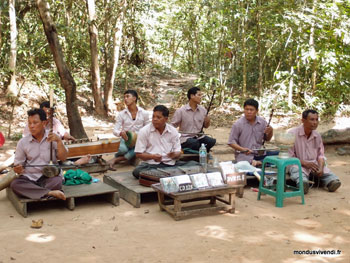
[(279, 190)]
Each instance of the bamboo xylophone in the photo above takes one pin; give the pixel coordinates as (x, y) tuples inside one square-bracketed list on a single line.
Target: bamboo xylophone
[(93, 148)]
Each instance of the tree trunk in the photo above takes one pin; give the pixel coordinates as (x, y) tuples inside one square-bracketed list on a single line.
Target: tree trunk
[(67, 81), (112, 66), (244, 47), (95, 69), (12, 87), (1, 26), (260, 79), (313, 50)]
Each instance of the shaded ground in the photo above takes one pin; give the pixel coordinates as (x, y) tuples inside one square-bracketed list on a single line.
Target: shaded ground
[(258, 232)]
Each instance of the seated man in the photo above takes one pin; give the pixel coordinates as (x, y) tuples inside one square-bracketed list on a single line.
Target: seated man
[(158, 143), (34, 149), (133, 118), (191, 118), (308, 147), (248, 133), (59, 129)]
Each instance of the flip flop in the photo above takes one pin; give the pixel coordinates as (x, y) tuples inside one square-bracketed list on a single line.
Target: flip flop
[(2, 139)]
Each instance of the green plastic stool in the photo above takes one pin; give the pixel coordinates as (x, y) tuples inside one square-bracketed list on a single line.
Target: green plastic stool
[(278, 190)]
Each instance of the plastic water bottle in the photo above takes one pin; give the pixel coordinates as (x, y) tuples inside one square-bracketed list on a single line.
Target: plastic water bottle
[(203, 157)]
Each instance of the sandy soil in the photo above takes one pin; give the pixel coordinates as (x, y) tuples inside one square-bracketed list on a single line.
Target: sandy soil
[(258, 232)]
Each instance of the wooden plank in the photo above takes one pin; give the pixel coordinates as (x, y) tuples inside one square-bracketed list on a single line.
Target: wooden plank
[(128, 186), (21, 207), (179, 211), (71, 192), (87, 189), (93, 148)]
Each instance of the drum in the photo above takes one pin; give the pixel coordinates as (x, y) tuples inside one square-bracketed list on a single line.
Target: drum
[(132, 137)]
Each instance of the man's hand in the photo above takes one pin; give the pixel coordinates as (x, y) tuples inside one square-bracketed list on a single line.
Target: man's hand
[(247, 151), (312, 166), (53, 137), (18, 169), (206, 122), (157, 157), (268, 131), (123, 135), (174, 155), (68, 137)]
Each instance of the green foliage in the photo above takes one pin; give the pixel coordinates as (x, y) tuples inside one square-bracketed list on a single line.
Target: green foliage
[(262, 48)]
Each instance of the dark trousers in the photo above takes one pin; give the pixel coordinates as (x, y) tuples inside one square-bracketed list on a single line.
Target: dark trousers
[(35, 189), (195, 144), (146, 166)]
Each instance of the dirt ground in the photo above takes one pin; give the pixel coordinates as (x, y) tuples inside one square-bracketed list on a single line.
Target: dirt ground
[(258, 232)]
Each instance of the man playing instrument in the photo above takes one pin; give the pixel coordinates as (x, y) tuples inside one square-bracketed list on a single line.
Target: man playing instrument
[(158, 143), (58, 128), (248, 133), (191, 118), (308, 148), (34, 150), (131, 119)]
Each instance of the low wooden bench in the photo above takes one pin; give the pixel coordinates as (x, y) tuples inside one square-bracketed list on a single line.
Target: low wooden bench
[(178, 211), (129, 188), (71, 192)]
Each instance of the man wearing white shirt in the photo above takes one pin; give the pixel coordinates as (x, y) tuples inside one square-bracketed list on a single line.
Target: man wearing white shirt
[(158, 143), (133, 118)]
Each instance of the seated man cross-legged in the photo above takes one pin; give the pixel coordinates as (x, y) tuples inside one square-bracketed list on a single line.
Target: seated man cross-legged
[(308, 148), (191, 118), (133, 118), (248, 133), (158, 143), (34, 149), (59, 129)]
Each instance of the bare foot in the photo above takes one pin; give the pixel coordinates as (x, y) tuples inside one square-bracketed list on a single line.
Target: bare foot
[(83, 160), (58, 194)]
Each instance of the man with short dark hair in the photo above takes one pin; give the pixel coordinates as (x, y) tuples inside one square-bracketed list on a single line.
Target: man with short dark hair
[(34, 150), (158, 143), (309, 149), (191, 118), (249, 132), (133, 118), (57, 128)]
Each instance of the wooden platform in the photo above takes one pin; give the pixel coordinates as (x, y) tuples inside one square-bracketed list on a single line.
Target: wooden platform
[(178, 211), (71, 193), (129, 188)]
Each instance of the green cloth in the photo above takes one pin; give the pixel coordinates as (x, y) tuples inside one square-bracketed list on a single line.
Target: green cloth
[(75, 177), (190, 151)]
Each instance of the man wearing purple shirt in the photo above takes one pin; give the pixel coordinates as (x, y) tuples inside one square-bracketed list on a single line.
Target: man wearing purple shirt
[(308, 147), (191, 118), (34, 150), (248, 133)]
